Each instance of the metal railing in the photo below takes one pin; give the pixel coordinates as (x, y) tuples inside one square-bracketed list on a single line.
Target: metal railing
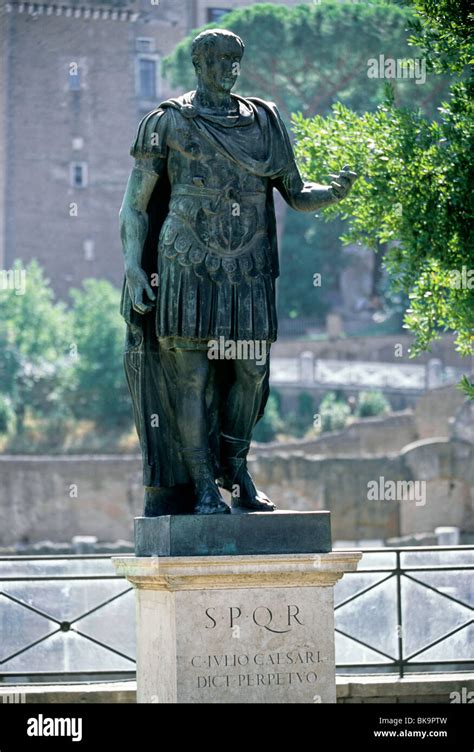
[(62, 625), (401, 660), (405, 660)]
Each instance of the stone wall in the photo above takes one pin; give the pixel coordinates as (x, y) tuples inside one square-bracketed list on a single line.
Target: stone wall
[(419, 688), (447, 468), (430, 688), (435, 409), (56, 498), (444, 467), (338, 484), (378, 435)]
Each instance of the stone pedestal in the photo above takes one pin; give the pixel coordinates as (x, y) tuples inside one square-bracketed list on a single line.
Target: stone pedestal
[(236, 628)]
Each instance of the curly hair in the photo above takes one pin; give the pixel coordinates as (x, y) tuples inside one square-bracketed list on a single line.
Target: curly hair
[(208, 38)]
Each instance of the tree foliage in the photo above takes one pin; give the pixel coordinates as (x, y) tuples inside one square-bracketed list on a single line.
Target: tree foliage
[(101, 389), (443, 29), (414, 187), (334, 412), (307, 57), (35, 333), (60, 364), (309, 249)]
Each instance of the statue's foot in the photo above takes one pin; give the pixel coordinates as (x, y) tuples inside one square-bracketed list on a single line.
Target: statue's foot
[(211, 502), (258, 503), (248, 496), (208, 498)]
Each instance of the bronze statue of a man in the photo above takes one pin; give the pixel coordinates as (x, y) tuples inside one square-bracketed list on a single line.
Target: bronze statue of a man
[(201, 260)]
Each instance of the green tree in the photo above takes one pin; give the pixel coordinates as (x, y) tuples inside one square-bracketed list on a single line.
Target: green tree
[(35, 335), (308, 57), (297, 423), (415, 184), (101, 390), (310, 247)]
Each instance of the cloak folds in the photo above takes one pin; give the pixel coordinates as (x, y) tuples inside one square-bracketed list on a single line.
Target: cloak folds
[(149, 367)]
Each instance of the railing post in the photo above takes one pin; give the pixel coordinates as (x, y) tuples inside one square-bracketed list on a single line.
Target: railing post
[(399, 616), (434, 373), (307, 367)]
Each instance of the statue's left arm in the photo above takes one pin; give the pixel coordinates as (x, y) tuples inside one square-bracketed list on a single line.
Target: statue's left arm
[(307, 196)]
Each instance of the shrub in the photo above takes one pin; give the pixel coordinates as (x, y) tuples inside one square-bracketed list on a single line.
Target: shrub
[(334, 412), (371, 403)]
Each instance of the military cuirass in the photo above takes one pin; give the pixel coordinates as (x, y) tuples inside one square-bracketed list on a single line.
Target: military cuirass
[(217, 212)]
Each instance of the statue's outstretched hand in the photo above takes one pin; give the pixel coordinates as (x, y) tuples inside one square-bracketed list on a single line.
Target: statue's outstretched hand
[(342, 183), (138, 285)]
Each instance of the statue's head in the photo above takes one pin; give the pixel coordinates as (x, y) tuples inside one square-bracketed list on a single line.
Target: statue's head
[(216, 56)]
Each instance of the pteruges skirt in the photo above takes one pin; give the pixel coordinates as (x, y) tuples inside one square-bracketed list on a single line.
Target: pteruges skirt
[(203, 296)]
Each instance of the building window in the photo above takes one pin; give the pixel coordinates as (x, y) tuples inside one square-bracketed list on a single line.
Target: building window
[(76, 70), (148, 76), (78, 174), (145, 44), (74, 77), (89, 250), (73, 73), (215, 14)]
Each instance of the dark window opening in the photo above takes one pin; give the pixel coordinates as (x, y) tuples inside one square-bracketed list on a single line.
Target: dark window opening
[(147, 78), (74, 79), (78, 175), (215, 14)]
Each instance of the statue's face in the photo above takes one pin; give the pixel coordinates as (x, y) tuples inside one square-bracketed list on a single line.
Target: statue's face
[(219, 67)]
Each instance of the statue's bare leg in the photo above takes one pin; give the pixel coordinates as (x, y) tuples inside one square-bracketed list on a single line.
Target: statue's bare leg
[(240, 415), (192, 370)]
